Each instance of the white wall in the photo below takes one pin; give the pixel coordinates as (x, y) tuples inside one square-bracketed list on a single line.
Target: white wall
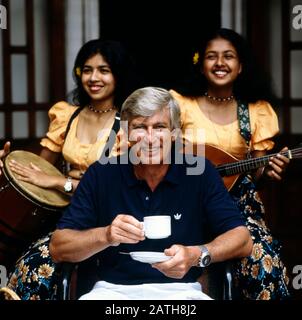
[(233, 15)]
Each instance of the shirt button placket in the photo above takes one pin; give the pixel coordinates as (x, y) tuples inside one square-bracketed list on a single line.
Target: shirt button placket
[(148, 202)]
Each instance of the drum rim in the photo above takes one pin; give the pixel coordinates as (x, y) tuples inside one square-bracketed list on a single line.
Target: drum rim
[(28, 196), (12, 294)]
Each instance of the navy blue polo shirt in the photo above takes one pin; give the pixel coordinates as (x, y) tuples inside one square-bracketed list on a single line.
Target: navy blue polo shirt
[(199, 206)]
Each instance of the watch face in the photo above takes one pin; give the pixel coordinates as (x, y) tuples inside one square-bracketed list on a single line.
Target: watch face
[(68, 186), (206, 260)]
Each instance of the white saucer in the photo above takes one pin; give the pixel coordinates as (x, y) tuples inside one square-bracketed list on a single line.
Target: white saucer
[(149, 256)]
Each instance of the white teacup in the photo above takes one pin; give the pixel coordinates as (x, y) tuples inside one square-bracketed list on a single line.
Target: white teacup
[(157, 227)]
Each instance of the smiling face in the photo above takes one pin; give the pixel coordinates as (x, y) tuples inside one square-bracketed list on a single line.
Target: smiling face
[(221, 65), (98, 81), (152, 137)]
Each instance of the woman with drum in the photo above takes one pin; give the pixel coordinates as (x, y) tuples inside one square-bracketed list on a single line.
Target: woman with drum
[(104, 75)]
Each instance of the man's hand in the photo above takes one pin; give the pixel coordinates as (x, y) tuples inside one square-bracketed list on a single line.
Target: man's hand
[(124, 229), (3, 153), (277, 166), (183, 259)]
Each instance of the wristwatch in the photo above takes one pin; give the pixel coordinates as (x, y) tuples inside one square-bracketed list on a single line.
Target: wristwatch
[(205, 257), (68, 185)]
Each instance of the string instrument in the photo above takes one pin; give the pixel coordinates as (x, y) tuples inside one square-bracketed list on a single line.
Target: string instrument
[(230, 168)]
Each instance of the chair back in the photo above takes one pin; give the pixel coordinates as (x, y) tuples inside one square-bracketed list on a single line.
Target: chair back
[(217, 281)]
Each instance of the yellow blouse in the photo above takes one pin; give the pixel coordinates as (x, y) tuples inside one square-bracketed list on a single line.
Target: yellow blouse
[(263, 119), (78, 154)]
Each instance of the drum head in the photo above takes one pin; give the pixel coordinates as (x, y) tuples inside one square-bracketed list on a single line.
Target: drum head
[(44, 197)]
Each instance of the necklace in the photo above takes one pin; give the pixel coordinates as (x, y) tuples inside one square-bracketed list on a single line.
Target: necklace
[(218, 99), (99, 111)]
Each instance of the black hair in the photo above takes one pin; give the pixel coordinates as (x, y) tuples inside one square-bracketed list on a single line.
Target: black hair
[(252, 83), (121, 64)]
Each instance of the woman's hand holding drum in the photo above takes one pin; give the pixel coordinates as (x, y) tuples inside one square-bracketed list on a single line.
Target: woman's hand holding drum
[(3, 153)]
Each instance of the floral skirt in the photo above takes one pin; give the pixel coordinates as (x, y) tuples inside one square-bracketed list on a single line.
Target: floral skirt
[(35, 276), (262, 275)]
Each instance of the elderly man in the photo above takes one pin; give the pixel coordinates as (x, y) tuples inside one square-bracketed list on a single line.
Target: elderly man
[(106, 212)]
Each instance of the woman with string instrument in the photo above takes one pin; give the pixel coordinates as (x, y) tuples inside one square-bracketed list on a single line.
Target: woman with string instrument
[(227, 99)]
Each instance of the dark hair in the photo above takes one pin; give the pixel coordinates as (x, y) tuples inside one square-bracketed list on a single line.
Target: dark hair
[(120, 62), (252, 83)]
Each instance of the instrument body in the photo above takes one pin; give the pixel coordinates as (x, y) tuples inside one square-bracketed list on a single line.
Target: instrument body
[(26, 211), (230, 168)]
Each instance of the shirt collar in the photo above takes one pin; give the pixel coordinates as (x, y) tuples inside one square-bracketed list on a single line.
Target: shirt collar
[(172, 176)]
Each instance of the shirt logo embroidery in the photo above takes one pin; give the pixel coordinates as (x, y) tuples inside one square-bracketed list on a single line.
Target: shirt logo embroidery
[(177, 216)]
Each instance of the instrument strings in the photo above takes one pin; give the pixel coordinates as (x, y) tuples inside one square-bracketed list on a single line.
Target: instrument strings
[(254, 163)]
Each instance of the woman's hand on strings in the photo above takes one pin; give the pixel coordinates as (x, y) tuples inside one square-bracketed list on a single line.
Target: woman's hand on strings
[(277, 166)]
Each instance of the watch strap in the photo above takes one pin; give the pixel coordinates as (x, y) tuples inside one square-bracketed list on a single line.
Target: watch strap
[(68, 185), (205, 257)]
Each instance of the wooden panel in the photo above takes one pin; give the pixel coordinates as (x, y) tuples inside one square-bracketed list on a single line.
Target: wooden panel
[(286, 64), (56, 22), (30, 67), (56, 9), (7, 76), (258, 30)]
